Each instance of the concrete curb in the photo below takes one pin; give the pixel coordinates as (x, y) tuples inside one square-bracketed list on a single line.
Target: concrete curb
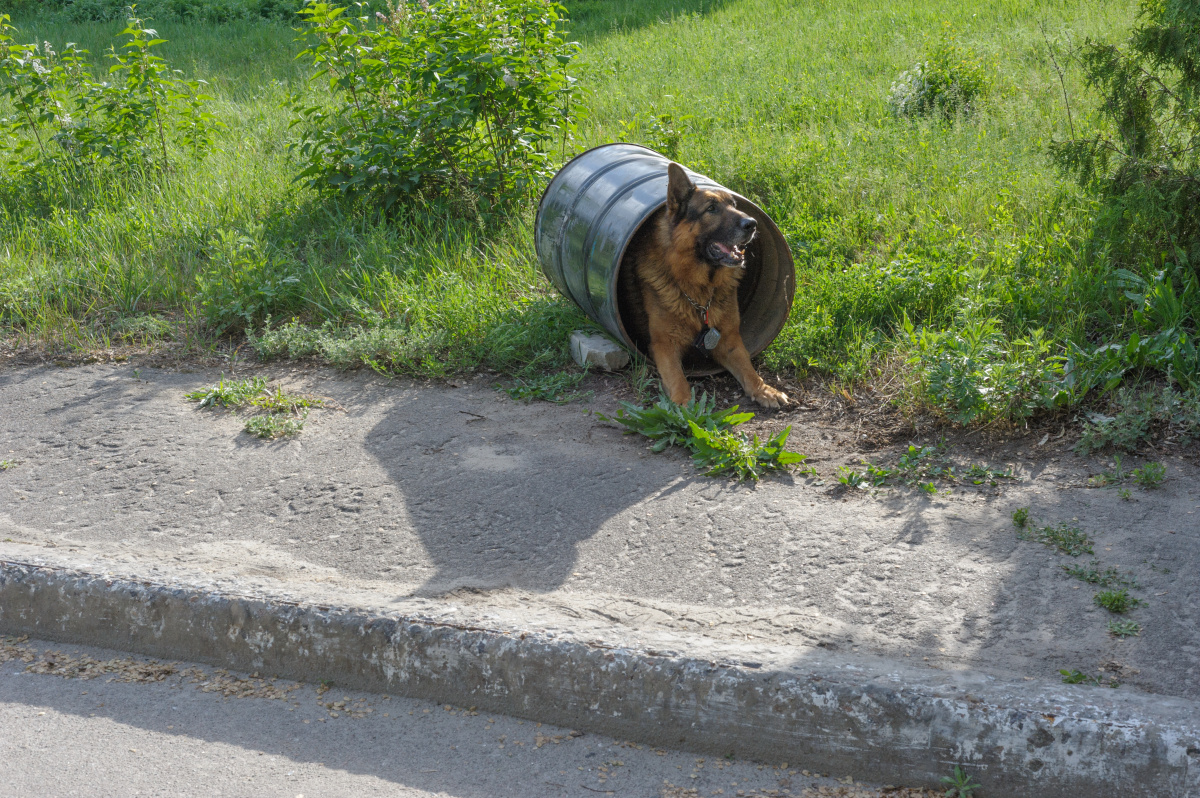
[(880, 722)]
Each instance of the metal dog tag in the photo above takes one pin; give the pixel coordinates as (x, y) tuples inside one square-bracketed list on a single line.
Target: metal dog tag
[(711, 338)]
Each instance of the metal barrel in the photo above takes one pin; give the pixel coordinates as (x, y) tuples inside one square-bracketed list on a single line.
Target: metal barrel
[(592, 208)]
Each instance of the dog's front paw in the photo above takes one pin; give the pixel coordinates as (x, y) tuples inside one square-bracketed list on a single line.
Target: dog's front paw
[(769, 397)]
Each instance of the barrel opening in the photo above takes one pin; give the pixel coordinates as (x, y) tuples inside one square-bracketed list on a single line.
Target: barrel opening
[(763, 276)]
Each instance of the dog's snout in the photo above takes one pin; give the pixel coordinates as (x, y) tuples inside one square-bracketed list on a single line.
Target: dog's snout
[(748, 224)]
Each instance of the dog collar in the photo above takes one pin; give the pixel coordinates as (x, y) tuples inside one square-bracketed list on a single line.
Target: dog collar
[(702, 308)]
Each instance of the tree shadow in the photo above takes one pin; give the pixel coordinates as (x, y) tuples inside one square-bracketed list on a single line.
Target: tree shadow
[(501, 497)]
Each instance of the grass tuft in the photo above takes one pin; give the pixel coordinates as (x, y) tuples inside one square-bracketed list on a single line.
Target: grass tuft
[(725, 452), (707, 434), (1063, 537), (1117, 601), (232, 393), (1076, 676), (1124, 628), (1093, 575), (918, 467), (271, 425), (557, 388), (959, 784), (1149, 475), (281, 413), (669, 424)]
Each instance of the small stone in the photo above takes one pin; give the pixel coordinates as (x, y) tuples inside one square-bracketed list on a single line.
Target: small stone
[(593, 349)]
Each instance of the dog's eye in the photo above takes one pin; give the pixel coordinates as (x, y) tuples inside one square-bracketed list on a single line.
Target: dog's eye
[(711, 209)]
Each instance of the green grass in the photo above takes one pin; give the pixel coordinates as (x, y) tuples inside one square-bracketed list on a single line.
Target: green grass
[(920, 466), (1124, 628), (956, 225), (1063, 537), (557, 388)]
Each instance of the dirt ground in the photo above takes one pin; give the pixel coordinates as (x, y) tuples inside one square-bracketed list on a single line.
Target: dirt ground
[(457, 495)]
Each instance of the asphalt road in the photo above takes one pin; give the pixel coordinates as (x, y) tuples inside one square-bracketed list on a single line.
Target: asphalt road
[(140, 728)]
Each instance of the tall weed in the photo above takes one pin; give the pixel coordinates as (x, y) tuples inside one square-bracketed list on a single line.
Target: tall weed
[(65, 124)]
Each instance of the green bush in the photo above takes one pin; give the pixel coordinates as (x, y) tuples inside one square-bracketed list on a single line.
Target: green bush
[(62, 123), (1139, 416), (458, 99), (1160, 317), (1144, 158), (950, 80), (976, 373)]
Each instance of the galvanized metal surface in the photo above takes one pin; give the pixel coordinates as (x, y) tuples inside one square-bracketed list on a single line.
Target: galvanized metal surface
[(595, 204)]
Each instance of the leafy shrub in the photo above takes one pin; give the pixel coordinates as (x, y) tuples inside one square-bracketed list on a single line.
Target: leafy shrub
[(1161, 316), (707, 433), (1145, 161), (669, 424), (244, 284), (721, 452), (459, 98), (63, 123), (662, 132), (975, 373), (950, 80), (1150, 475), (1139, 416)]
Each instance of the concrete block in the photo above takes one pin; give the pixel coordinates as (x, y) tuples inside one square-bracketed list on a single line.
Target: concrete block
[(594, 349)]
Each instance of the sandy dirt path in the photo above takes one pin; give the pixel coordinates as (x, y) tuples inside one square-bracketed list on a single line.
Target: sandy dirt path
[(461, 496)]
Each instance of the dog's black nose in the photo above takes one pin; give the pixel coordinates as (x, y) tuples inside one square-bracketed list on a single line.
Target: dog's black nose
[(748, 224)]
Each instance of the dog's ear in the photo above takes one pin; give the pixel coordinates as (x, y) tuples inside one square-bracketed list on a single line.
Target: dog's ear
[(679, 191)]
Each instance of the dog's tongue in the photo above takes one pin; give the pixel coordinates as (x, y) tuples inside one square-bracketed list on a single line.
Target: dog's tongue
[(724, 249)]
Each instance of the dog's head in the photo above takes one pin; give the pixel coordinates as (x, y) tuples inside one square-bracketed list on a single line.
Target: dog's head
[(710, 218)]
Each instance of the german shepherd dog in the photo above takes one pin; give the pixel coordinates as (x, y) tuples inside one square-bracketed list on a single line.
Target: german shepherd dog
[(678, 286)]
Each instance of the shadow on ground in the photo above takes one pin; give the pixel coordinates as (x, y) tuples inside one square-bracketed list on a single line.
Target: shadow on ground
[(497, 503)]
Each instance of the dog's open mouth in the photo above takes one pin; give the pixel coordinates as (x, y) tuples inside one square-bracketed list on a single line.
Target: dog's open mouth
[(727, 255)]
